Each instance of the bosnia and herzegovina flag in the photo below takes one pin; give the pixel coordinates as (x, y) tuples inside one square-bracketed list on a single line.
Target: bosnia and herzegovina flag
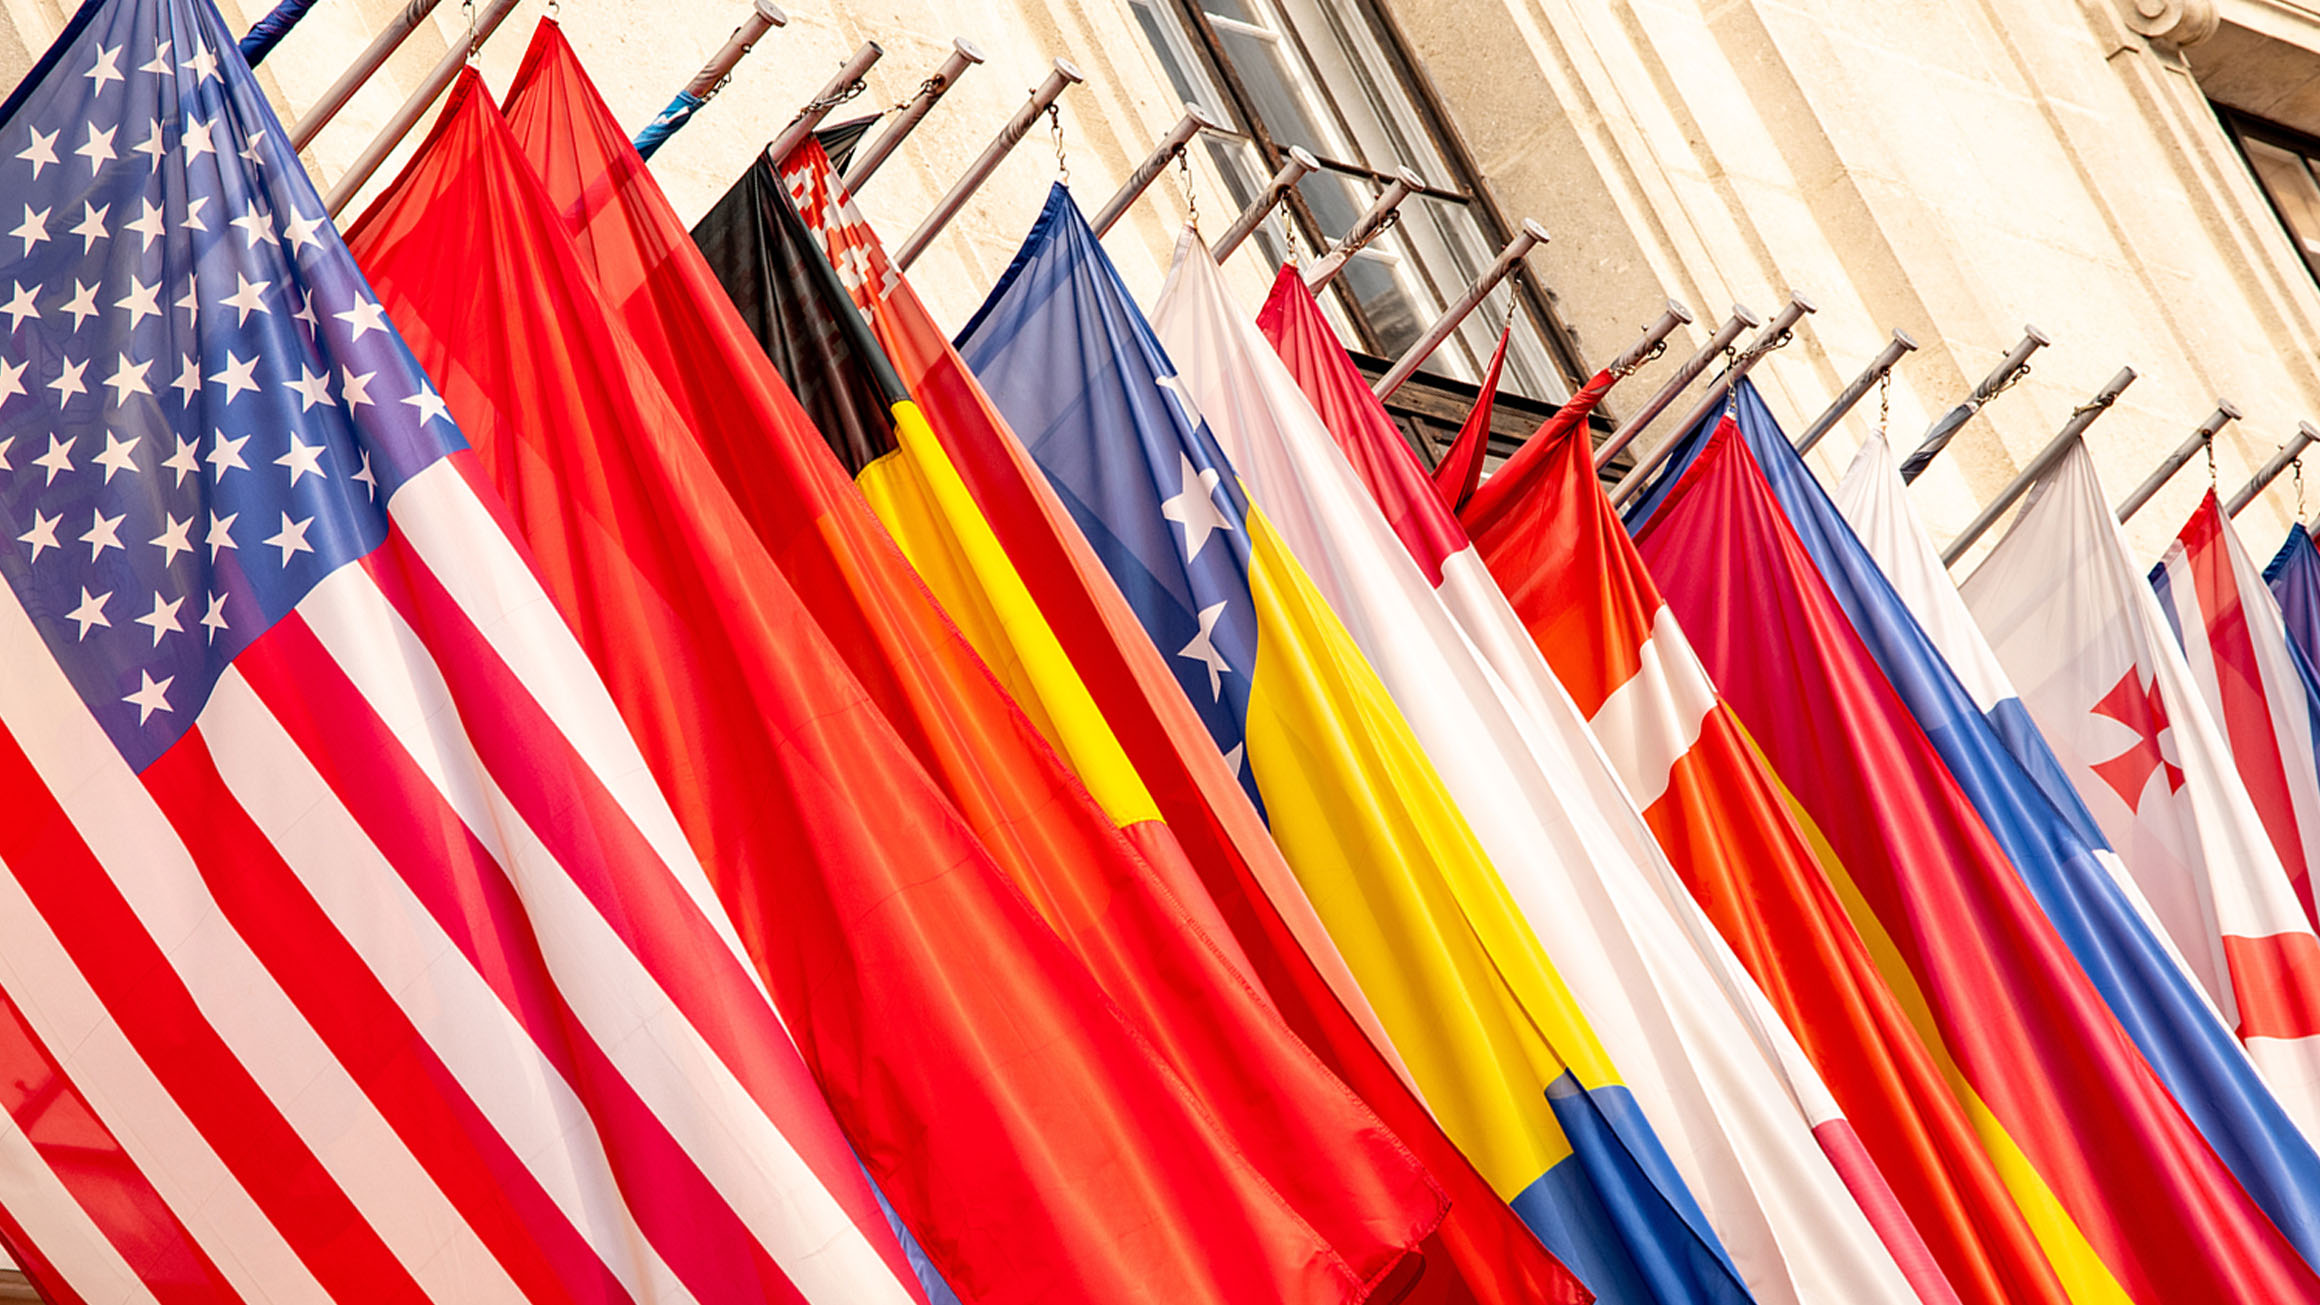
[(1328, 453), (2061, 854), (2128, 1199), (1548, 533), (1482, 1018), (1041, 587)]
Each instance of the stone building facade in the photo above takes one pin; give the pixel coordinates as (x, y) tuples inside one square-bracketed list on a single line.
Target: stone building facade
[(2128, 175)]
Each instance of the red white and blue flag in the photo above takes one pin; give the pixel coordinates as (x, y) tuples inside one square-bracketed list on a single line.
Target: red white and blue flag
[(347, 949)]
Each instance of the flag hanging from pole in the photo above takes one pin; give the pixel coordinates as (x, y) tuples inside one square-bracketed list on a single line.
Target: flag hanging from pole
[(1485, 1023), (757, 230), (2085, 639), (2232, 635), (2053, 844), (2293, 576), (1433, 538), (989, 1082), (1145, 927), (1553, 540), (342, 954), (1460, 469), (2127, 1199)]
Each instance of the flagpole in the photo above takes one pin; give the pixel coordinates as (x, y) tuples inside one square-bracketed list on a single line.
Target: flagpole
[(2080, 418), (1652, 342), (2270, 471), (1062, 76), (844, 85), (494, 13), (1293, 169), (1741, 319), (764, 17), (2225, 413), (373, 57), (1195, 121), (2010, 369), (1776, 333), (1365, 229), (963, 56), (1530, 237), (1876, 371)]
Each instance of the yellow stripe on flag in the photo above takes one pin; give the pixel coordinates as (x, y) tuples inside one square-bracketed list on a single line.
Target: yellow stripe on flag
[(926, 506), (2076, 1262), (1462, 986)]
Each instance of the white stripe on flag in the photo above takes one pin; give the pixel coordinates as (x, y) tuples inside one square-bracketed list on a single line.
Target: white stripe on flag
[(1651, 721), (663, 1056), (258, 1023), (54, 1221), (483, 1045)]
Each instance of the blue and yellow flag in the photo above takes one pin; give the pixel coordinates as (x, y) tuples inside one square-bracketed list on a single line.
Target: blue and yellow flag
[(1488, 1030)]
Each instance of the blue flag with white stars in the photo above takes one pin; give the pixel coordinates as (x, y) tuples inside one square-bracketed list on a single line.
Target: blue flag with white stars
[(203, 410), (1170, 524)]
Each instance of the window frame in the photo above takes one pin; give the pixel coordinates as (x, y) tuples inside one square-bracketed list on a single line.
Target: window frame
[(2243, 127)]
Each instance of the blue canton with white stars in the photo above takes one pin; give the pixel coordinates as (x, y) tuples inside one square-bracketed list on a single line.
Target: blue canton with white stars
[(203, 410), (1071, 363)]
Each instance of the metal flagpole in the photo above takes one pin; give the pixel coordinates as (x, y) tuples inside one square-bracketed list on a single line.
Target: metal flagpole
[(1741, 319), (763, 17), (1195, 121), (2080, 418), (373, 57), (2225, 413), (1365, 229), (1652, 343), (963, 56), (1776, 333), (494, 13), (1530, 237), (2270, 471), (1851, 394), (2010, 369), (843, 86), (1299, 162), (914, 244)]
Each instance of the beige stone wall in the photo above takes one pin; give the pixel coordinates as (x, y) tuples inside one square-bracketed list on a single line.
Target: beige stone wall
[(1955, 168)]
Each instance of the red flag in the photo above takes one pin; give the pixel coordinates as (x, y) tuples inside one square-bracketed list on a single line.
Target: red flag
[(1550, 536), (1460, 469), (1025, 1131), (1134, 911)]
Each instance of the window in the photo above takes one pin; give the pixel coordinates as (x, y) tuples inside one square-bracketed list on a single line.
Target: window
[(1327, 75), (2285, 163)]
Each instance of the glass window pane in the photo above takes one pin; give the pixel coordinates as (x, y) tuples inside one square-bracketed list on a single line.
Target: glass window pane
[(2288, 180)]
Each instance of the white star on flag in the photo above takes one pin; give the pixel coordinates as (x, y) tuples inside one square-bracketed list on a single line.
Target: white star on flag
[(430, 405), (175, 538), (98, 148), (142, 301), (128, 378), (188, 382), (43, 532), (313, 388), (83, 304), (148, 224), (354, 389), (302, 459), (104, 532), (21, 306), (58, 459), (1194, 506), (159, 64), (162, 619), (33, 229), (299, 231), (291, 538), (183, 461), (363, 318), (151, 697), (203, 65), (11, 379), (369, 483), (238, 375), (106, 68), (119, 455), (255, 227), (248, 299), (214, 619), (226, 455), (151, 147), (91, 612), (1202, 649), (68, 380), (41, 152), (195, 141), (92, 225), (221, 534)]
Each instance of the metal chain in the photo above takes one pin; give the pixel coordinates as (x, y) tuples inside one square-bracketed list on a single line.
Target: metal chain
[(467, 7), (1191, 196), (2208, 446), (555, 10), (927, 87), (2296, 468), (1884, 401), (1055, 128)]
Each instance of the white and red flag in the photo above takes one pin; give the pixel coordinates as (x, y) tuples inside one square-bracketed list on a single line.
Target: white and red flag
[(2085, 641), (347, 949)]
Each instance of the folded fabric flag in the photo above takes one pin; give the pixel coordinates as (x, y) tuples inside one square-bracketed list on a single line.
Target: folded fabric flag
[(1460, 469), (2053, 845), (987, 1078), (346, 957), (2127, 1199), (2085, 639), (1553, 540)]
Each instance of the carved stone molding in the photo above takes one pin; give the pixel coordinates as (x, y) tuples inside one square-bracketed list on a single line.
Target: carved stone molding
[(2179, 23)]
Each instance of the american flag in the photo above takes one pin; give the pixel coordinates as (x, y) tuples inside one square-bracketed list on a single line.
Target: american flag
[(347, 950)]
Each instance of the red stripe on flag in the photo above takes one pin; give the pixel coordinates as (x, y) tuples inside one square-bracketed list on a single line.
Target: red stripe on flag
[(2271, 977), (2247, 711), (111, 1190), (366, 1031), (455, 877), (141, 990)]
